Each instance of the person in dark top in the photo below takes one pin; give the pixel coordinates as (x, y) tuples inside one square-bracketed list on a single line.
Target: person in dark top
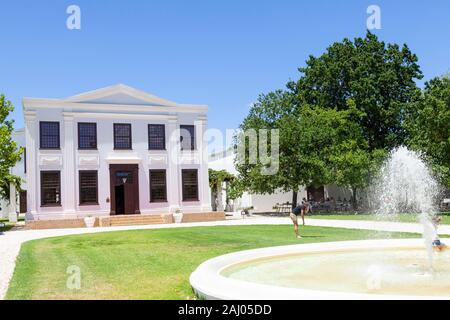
[(299, 210)]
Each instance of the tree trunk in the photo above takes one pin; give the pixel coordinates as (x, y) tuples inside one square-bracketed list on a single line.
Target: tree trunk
[(354, 200), (294, 198)]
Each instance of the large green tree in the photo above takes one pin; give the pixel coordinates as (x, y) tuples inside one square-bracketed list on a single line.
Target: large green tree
[(378, 77), (428, 125), (317, 146), (10, 153)]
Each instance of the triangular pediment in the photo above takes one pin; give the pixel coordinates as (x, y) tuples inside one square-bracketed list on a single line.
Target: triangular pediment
[(121, 95)]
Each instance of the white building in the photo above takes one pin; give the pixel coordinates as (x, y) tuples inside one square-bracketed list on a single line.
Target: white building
[(264, 203), (113, 151)]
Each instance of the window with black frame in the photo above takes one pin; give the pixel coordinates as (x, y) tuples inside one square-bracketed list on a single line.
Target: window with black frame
[(50, 188), (49, 135), (187, 137), (190, 184), (88, 187), (158, 186), (122, 136), (156, 137), (87, 136)]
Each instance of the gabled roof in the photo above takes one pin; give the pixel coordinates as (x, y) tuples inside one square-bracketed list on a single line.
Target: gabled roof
[(112, 98), (120, 94)]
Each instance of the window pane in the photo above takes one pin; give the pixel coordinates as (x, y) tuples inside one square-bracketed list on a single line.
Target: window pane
[(88, 187), (158, 190), (190, 185), (49, 135), (122, 136), (123, 177), (156, 137), (187, 137), (50, 188), (87, 136)]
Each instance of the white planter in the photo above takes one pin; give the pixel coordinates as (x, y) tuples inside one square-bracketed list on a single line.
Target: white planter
[(89, 221), (178, 217)]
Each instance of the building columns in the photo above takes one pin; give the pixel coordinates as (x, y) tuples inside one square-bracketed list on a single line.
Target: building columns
[(203, 175), (70, 176), (174, 194), (31, 135), (12, 203)]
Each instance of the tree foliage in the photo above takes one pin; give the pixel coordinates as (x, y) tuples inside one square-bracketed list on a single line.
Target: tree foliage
[(379, 78), (428, 125), (9, 152), (216, 180)]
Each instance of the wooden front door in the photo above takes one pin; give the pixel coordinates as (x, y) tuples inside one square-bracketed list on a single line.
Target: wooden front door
[(124, 184)]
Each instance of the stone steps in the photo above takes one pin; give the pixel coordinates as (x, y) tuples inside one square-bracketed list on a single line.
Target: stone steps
[(135, 220)]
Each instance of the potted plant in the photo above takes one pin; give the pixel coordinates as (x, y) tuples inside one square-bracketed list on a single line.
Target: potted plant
[(89, 221), (178, 215)]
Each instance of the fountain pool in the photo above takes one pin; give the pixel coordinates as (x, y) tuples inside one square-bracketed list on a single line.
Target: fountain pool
[(370, 269)]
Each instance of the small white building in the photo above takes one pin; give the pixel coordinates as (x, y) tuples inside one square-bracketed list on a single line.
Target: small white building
[(114, 151)]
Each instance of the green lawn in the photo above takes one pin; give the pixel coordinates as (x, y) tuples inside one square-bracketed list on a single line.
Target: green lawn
[(146, 264), (372, 217)]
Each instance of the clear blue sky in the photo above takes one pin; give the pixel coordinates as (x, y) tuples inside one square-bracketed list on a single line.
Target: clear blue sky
[(220, 53)]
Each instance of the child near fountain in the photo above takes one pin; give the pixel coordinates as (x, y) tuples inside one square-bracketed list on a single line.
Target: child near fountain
[(437, 244), (299, 210)]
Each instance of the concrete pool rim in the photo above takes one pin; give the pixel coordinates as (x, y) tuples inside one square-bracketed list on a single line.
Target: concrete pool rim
[(209, 283)]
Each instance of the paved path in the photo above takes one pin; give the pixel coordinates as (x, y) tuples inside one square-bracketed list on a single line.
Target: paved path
[(10, 242)]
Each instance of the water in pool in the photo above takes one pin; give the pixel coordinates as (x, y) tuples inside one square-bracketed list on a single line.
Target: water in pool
[(394, 272)]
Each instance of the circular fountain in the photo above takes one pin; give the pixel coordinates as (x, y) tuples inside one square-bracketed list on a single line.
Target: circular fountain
[(369, 269)]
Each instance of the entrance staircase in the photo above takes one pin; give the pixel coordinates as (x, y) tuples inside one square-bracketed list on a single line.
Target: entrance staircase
[(134, 220)]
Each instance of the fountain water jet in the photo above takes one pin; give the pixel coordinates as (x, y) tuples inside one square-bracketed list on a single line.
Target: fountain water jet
[(406, 185)]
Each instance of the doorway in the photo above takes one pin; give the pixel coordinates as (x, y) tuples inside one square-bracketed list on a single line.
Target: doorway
[(124, 184), (120, 199)]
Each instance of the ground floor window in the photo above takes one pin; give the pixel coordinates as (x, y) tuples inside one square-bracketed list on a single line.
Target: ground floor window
[(50, 188), (88, 187), (189, 179), (158, 186)]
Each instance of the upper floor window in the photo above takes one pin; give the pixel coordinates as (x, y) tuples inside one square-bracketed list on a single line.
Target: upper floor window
[(49, 135), (156, 137), (87, 136), (122, 136), (50, 188), (187, 137)]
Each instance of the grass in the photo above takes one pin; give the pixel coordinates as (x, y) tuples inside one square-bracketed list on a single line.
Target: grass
[(373, 217), (146, 264)]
